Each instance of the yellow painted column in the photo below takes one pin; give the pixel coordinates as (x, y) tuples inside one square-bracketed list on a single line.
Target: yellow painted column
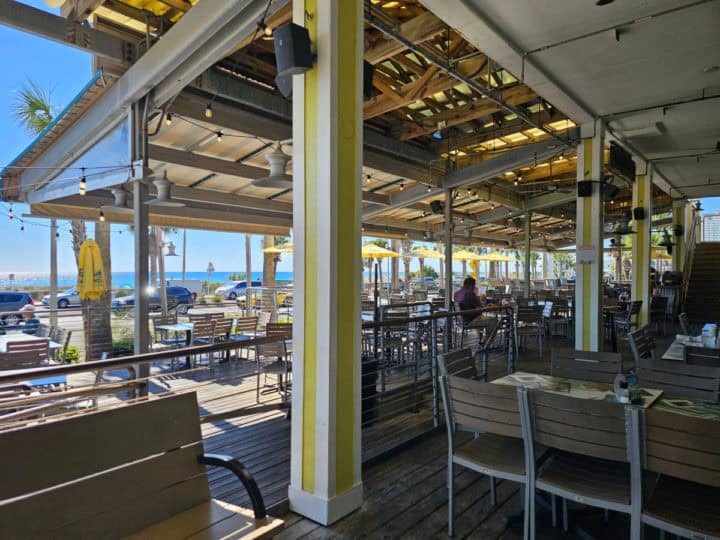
[(325, 481), (678, 220), (641, 247), (589, 241)]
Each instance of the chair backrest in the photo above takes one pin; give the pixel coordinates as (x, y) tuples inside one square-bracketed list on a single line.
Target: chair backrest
[(584, 365), (246, 324), (43, 330), (222, 327), (271, 351), (529, 314), (633, 308), (659, 304), (702, 356), (682, 446), (199, 317), (99, 478), (476, 406), (642, 343), (279, 329), (203, 329), (680, 379), (26, 353), (160, 320), (583, 426), (684, 324), (461, 362)]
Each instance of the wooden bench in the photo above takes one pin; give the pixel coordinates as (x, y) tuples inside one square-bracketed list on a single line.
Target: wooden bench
[(136, 471)]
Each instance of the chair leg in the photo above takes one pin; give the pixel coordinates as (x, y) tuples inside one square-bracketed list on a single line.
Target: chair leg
[(565, 515), (450, 482), (493, 492), (553, 504), (529, 531)]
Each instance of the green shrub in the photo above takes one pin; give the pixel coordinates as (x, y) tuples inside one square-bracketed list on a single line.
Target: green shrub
[(71, 355), (123, 347), (217, 299)]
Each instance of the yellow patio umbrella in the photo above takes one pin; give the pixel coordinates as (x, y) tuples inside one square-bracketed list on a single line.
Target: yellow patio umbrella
[(423, 253), (91, 282), (373, 251), (464, 255), (287, 247), (660, 254)]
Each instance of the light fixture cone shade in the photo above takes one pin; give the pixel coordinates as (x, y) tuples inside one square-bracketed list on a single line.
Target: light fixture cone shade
[(278, 161), (163, 194), (120, 204)]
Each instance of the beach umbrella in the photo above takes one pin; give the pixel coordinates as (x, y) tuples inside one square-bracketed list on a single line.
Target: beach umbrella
[(464, 255), (373, 251), (91, 284), (423, 253), (287, 247)]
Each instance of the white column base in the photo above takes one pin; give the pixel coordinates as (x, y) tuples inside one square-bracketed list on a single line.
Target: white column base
[(325, 511)]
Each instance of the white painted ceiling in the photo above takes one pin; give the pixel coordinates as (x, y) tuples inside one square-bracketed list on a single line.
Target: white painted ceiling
[(610, 61)]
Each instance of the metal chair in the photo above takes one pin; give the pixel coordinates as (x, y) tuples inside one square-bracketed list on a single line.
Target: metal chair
[(628, 319), (589, 462), (492, 412), (584, 365), (272, 358), (658, 313), (683, 455), (528, 323), (245, 327), (642, 344)]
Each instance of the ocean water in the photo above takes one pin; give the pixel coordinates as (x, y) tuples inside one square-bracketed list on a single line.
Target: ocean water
[(120, 280)]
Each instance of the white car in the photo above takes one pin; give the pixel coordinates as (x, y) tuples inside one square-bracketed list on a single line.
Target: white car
[(64, 299), (235, 289)]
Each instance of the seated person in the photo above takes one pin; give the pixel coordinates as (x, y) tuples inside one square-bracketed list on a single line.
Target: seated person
[(29, 323), (467, 298)]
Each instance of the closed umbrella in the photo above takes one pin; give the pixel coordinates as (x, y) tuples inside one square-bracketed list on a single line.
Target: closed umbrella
[(91, 284), (373, 251), (464, 255)]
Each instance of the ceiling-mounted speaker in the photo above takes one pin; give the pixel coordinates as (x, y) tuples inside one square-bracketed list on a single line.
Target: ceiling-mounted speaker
[(611, 191), (284, 85), (584, 188), (368, 73), (437, 207), (293, 54), (638, 213)]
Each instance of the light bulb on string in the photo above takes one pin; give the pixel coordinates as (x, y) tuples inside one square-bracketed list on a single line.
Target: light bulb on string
[(102, 215), (22, 228), (168, 119), (83, 183), (57, 235), (11, 214), (208, 110), (402, 187), (219, 136)]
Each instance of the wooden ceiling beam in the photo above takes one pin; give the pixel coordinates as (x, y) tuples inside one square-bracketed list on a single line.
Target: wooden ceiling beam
[(417, 30), (517, 95), (79, 10)]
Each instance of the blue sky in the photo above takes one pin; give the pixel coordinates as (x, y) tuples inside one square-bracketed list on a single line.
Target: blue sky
[(64, 71)]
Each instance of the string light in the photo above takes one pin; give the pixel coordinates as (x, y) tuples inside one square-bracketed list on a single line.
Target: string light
[(429, 189), (102, 215), (168, 119), (208, 110), (219, 136), (57, 235), (11, 214), (22, 228), (402, 187), (83, 184)]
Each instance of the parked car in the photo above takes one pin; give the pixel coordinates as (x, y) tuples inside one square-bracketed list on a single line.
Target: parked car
[(64, 299), (175, 296), (234, 289), (10, 304), (195, 286)]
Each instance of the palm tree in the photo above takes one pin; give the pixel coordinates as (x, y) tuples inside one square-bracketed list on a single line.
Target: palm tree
[(407, 246), (34, 111)]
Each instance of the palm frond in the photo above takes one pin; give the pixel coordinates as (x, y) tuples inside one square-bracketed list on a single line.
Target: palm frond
[(32, 108)]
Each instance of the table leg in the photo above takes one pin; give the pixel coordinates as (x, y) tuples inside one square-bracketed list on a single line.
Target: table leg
[(613, 333), (188, 342)]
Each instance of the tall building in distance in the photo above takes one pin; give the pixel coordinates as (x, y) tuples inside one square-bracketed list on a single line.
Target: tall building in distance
[(711, 227)]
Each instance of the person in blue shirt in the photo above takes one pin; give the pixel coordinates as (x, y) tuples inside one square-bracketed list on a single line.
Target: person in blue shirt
[(29, 323)]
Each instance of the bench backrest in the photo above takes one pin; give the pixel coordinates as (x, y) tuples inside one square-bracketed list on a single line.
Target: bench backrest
[(26, 353), (461, 362), (584, 365), (583, 426), (682, 446), (680, 379), (104, 474)]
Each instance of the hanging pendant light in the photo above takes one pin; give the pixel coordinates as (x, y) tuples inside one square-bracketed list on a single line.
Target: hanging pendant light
[(163, 185), (119, 206), (278, 161)]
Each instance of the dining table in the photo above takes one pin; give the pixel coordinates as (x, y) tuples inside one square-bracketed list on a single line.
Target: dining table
[(180, 328)]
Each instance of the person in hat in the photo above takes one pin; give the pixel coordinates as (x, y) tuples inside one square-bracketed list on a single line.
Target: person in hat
[(29, 323)]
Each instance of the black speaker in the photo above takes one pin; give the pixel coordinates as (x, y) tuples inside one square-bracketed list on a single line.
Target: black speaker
[(584, 188), (284, 85), (638, 213), (368, 73), (293, 54), (611, 191), (437, 207)]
